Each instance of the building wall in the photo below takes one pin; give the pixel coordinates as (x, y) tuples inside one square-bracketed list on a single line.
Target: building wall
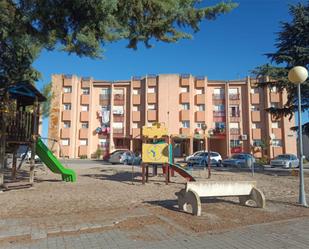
[(234, 112)]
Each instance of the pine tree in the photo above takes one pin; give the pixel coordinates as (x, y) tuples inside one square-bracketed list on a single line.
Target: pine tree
[(292, 50)]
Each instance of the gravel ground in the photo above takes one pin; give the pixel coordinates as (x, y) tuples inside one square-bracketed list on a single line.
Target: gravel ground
[(103, 192)]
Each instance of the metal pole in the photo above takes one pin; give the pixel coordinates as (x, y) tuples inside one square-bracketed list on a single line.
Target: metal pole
[(302, 194)]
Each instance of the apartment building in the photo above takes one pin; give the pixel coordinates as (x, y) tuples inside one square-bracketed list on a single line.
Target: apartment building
[(88, 115)]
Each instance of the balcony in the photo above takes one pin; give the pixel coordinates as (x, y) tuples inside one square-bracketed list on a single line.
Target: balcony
[(277, 132), (152, 81), (65, 133), (84, 116), (184, 115), (84, 99), (118, 99), (136, 84), (234, 131), (256, 133), (152, 115), (82, 150), (256, 116), (151, 98), (234, 96), (67, 98), (199, 83), (235, 116), (118, 118), (185, 98), (86, 83), (219, 113), (185, 131), (83, 133), (136, 99), (185, 81), (118, 132), (200, 99), (274, 97), (218, 96), (67, 81), (66, 115), (200, 116), (255, 98), (219, 133), (136, 116), (136, 133)]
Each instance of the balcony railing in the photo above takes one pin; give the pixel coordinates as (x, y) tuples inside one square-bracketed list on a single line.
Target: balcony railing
[(219, 113), (218, 96), (118, 130), (105, 96), (234, 96), (219, 131), (235, 114), (235, 131)]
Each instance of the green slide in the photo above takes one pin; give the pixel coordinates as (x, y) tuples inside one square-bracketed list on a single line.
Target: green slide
[(53, 163)]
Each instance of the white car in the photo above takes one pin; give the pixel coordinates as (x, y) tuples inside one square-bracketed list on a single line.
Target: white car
[(285, 161), (194, 154), (201, 159)]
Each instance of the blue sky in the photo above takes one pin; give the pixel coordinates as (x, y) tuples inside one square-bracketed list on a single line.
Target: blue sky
[(227, 48)]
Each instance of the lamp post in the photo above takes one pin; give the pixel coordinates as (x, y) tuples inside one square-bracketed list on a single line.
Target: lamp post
[(204, 128), (298, 75)]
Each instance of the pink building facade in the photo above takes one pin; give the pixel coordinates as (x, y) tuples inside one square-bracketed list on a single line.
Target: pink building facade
[(89, 117)]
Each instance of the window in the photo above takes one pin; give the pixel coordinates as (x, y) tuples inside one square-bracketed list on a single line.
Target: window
[(118, 91), (256, 125), (274, 105), (199, 91), (105, 91), (184, 89), (257, 142), (85, 125), (185, 106), (234, 125), (234, 143), (219, 108), (151, 107), (117, 125), (254, 90), (67, 89), (136, 108), (83, 142), (66, 124), (185, 124), (118, 110), (135, 125), (219, 91), (201, 107), (65, 142), (85, 108), (219, 125), (276, 142), (255, 108), (233, 90), (275, 125), (67, 106), (199, 125), (85, 91), (151, 90), (103, 142), (234, 111), (273, 89), (136, 91)]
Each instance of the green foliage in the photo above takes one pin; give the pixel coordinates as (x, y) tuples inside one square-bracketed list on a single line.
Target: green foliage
[(45, 106), (262, 161), (83, 27), (292, 50), (83, 156), (98, 153)]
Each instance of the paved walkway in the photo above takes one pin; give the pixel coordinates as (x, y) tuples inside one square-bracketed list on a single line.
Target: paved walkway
[(286, 234)]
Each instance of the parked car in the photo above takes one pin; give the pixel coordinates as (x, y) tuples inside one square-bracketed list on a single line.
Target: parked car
[(194, 154), (239, 160), (115, 156), (28, 156), (201, 159), (130, 158), (285, 161)]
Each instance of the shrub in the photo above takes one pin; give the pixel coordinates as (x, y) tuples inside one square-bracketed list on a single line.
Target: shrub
[(83, 157), (98, 153)]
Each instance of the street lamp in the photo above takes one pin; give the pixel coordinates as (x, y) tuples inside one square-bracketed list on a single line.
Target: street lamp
[(204, 128), (298, 75)]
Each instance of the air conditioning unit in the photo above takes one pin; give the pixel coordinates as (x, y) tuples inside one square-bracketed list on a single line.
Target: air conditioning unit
[(243, 137)]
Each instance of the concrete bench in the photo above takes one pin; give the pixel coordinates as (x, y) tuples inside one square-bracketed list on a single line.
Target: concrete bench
[(193, 192)]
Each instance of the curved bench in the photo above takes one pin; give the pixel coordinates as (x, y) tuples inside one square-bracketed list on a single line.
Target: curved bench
[(193, 192)]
